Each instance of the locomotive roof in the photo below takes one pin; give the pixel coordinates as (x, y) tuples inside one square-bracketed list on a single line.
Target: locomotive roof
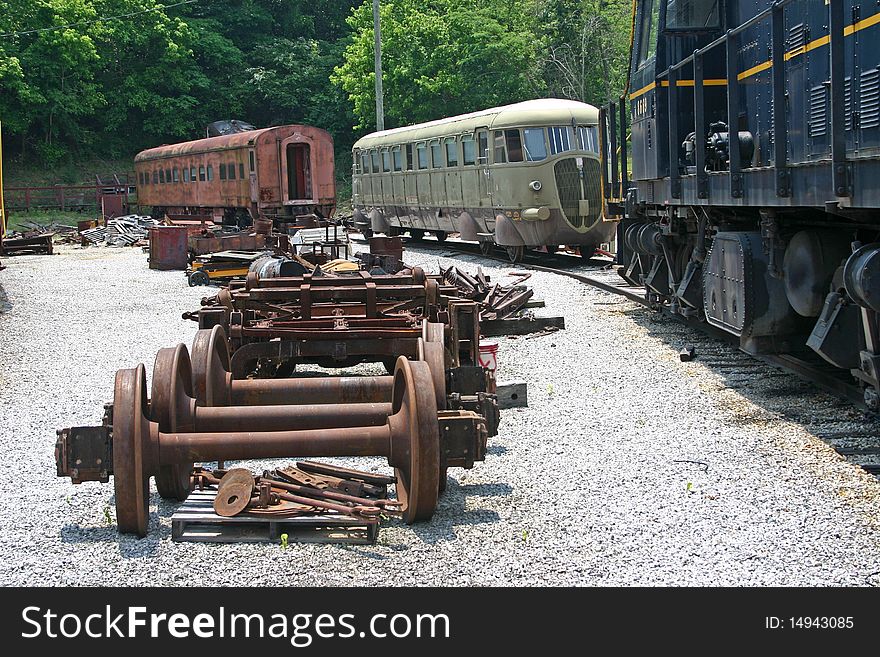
[(540, 112), (223, 142)]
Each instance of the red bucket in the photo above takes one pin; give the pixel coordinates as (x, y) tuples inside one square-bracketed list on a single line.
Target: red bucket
[(489, 354)]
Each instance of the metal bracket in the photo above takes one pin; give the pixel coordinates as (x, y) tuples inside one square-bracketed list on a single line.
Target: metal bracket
[(463, 439), (84, 454)]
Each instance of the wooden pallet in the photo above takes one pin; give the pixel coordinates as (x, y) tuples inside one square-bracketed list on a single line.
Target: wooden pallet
[(196, 521)]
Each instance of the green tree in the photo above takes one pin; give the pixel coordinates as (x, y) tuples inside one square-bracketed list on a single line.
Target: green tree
[(441, 58)]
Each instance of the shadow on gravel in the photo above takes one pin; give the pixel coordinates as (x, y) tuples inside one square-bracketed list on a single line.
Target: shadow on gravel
[(5, 306), (783, 395), (130, 547), (451, 512)]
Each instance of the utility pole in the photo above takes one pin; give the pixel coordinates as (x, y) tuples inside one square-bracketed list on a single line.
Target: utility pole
[(2, 200), (377, 51)]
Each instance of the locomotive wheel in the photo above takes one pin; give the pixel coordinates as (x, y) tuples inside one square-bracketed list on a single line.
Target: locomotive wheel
[(441, 235), (367, 233), (515, 253), (417, 233), (131, 431), (587, 251), (210, 367), (172, 387), (486, 248), (417, 464)]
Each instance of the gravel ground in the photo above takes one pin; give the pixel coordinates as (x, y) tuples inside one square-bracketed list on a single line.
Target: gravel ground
[(593, 484)]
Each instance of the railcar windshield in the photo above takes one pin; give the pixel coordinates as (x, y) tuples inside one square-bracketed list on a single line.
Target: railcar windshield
[(534, 145), (692, 15)]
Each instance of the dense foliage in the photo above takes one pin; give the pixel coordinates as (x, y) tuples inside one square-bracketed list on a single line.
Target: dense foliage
[(72, 85)]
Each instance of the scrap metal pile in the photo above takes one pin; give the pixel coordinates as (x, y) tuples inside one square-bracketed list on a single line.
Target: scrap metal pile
[(197, 412), (496, 301), (122, 231)]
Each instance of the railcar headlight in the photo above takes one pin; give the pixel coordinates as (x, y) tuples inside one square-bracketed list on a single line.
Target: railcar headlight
[(535, 185)]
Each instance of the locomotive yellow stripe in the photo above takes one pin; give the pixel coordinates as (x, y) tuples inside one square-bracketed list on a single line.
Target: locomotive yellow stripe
[(849, 30)]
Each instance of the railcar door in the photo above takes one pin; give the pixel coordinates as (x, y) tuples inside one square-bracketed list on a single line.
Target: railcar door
[(484, 172), (452, 205), (299, 175)]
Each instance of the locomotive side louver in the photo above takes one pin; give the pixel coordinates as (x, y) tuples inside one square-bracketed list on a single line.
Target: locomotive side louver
[(818, 111), (869, 99)]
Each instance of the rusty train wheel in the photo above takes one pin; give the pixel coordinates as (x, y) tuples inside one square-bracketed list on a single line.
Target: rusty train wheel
[(210, 367), (131, 480), (417, 464), (172, 387)]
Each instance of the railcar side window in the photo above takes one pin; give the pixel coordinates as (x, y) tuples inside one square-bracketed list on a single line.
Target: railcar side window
[(451, 152), (192, 174), (162, 176), (588, 138), (468, 150), (386, 160), (241, 170), (210, 172), (483, 146), (202, 174), (374, 158), (422, 153), (533, 141), (155, 177), (514, 145), (175, 175), (252, 163), (500, 153), (365, 163), (436, 154), (230, 168), (222, 171), (185, 174), (648, 32), (168, 175), (692, 15), (560, 139), (396, 157)]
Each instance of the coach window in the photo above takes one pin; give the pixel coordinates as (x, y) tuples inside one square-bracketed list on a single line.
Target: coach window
[(192, 174), (162, 176), (222, 171), (365, 163), (409, 157), (168, 175), (185, 174), (588, 138), (241, 170), (482, 147), (175, 174), (514, 145), (374, 158), (422, 154), (560, 139), (210, 172), (468, 150), (230, 170), (397, 158), (202, 174), (386, 160), (155, 178), (451, 152), (500, 155), (436, 154), (253, 167)]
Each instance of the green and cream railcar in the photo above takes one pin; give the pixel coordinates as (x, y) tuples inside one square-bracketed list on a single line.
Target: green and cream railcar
[(520, 176)]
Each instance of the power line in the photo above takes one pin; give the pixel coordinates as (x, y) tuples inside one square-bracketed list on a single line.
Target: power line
[(97, 20)]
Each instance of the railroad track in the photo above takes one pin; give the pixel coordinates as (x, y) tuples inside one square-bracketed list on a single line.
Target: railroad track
[(854, 436)]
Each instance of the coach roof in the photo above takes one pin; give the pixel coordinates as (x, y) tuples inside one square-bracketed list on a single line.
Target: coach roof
[(541, 112)]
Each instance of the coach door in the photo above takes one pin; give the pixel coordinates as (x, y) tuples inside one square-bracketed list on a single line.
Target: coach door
[(299, 175), (484, 173)]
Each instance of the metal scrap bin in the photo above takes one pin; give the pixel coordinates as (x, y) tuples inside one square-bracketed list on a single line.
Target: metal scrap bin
[(168, 247)]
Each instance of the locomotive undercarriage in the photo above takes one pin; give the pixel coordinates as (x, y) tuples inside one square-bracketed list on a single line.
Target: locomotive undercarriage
[(787, 282)]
